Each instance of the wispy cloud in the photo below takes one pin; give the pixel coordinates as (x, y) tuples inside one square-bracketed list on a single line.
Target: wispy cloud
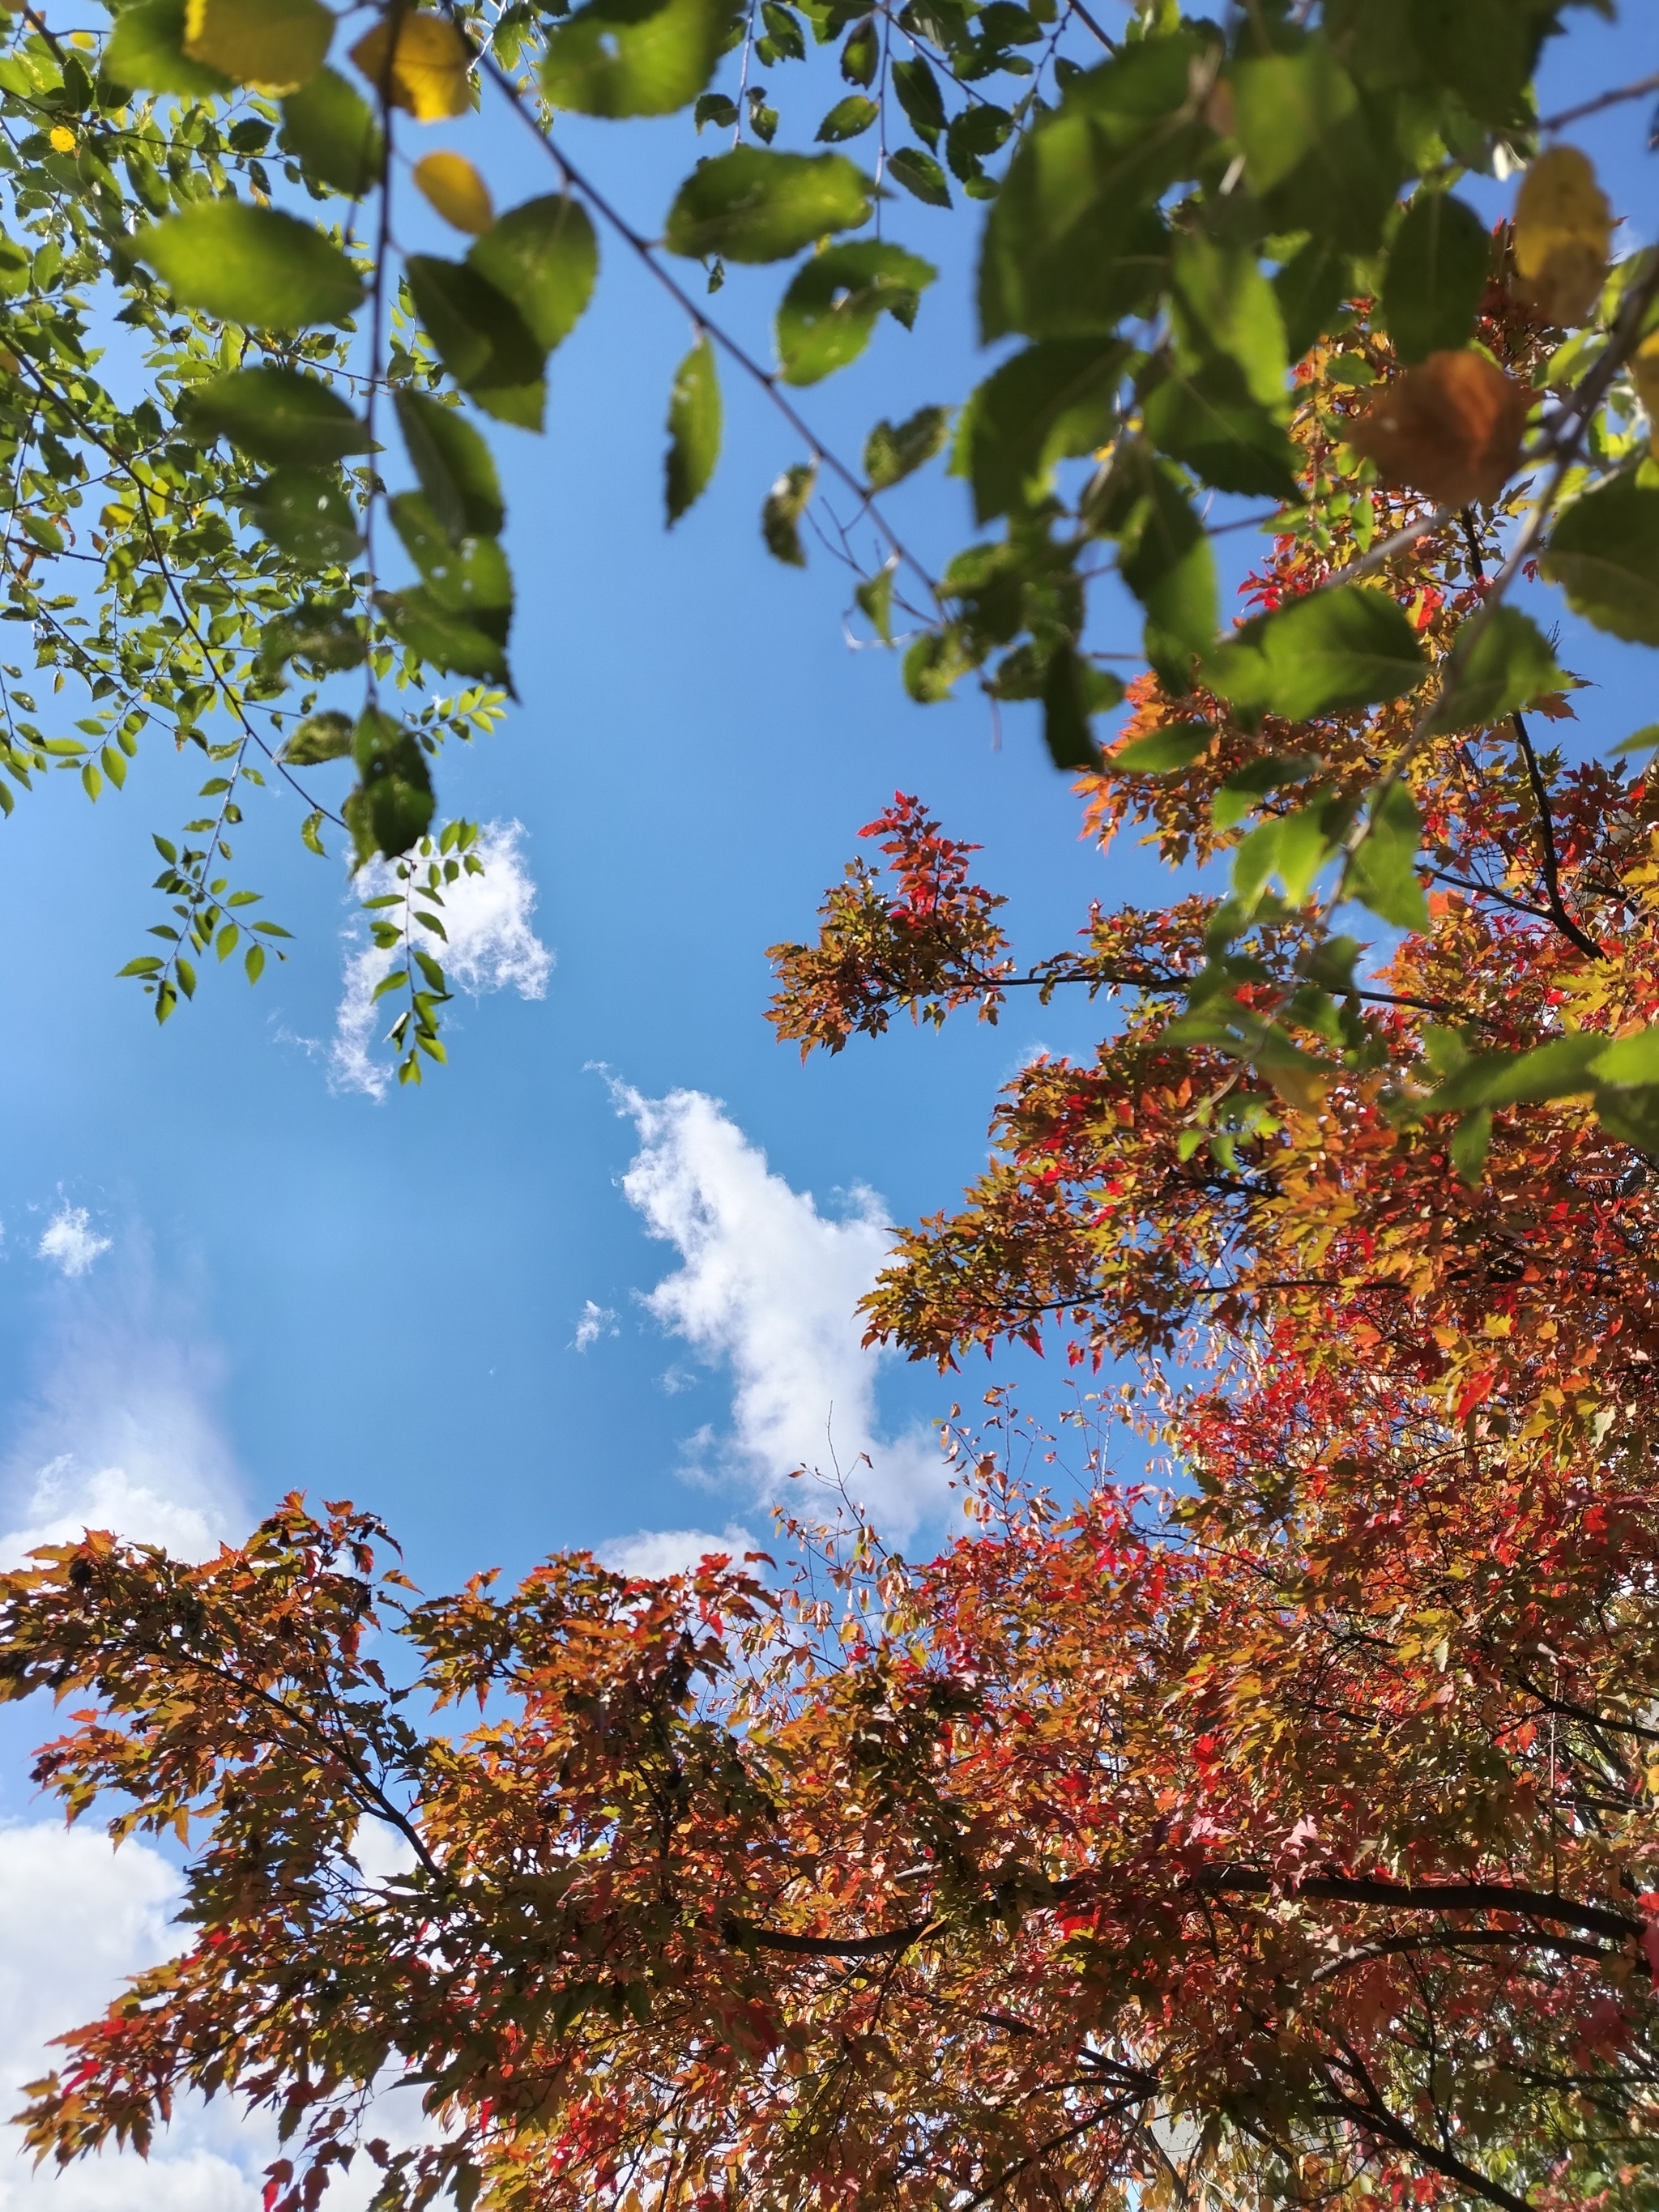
[(70, 1242), (594, 1321), (768, 1288), (119, 1429), (491, 947)]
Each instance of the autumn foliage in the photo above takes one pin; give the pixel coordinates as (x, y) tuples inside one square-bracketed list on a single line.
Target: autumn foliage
[(1278, 1827)]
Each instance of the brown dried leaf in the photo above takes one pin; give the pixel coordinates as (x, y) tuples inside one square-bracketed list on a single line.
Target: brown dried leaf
[(1451, 428)]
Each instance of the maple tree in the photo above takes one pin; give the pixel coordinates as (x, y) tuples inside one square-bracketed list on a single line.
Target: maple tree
[(1286, 1836)]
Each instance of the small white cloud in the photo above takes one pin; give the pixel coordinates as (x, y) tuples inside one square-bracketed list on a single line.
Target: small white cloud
[(491, 947), (770, 1287), (595, 1321), (119, 1429), (670, 1551), (70, 1242)]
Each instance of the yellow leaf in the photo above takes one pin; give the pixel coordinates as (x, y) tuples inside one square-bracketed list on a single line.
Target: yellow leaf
[(1563, 227), (454, 187), (1645, 370), (63, 140), (274, 45), (427, 74)]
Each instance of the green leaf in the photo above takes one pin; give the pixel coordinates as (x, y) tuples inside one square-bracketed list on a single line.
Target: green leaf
[(251, 266), (1485, 50), (1644, 741), (1631, 1116), (1238, 795), (847, 118), (1604, 553), (694, 429), (483, 341), (1224, 306), (1311, 289), (1160, 751), (1561, 1069), (921, 176), (543, 257), (1166, 561), (783, 31), (1319, 157), (319, 738), (276, 414), (1075, 240), (1468, 1146), (1630, 1060), (1067, 696), (469, 579), (920, 97), (331, 132), (895, 451), (1383, 875), (321, 637), (1047, 404), (1210, 420), (860, 57), (752, 205), (715, 108), (1510, 663), (826, 316), (443, 639), (453, 465), (1436, 275), (392, 804), (306, 513), (1331, 651), (146, 50), (634, 57), (781, 516), (874, 595)]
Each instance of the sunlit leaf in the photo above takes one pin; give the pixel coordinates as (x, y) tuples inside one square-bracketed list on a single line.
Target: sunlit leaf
[(694, 430), (251, 266), (754, 205)]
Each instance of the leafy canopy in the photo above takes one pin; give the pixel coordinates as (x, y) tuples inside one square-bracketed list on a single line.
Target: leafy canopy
[(1285, 1838)]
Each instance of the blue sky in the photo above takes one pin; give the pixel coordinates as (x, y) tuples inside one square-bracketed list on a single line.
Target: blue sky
[(302, 1285)]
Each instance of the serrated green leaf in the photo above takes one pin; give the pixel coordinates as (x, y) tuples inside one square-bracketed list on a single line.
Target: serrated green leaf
[(895, 451), (921, 176), (694, 430), (543, 257), (330, 130), (1045, 404), (453, 465), (1604, 553), (781, 516), (634, 57), (251, 266), (484, 341), (1437, 273), (752, 205), (826, 316), (1382, 874), (392, 804), (277, 415), (1509, 663), (1332, 650)]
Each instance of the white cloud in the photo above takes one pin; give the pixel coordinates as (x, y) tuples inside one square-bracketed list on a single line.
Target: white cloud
[(119, 1429), (770, 1287), (70, 1242), (595, 1321), (670, 1551), (75, 1919), (491, 947)]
